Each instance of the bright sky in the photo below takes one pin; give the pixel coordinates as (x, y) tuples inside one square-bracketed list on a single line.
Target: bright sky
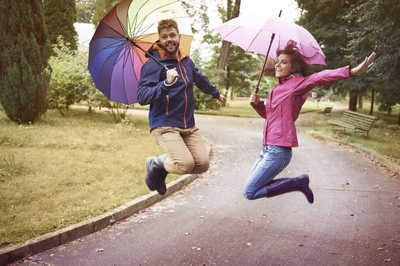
[(260, 9), (265, 8)]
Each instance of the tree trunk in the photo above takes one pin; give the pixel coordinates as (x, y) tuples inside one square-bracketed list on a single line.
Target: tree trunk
[(224, 54), (353, 95), (228, 78), (360, 101), (225, 45), (371, 111)]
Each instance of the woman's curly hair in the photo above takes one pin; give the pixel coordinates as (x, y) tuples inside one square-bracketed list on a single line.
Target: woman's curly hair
[(299, 64)]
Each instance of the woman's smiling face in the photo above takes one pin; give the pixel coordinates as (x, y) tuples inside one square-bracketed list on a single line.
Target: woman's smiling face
[(283, 66)]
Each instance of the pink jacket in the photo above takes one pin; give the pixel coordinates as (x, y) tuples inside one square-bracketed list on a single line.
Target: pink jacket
[(285, 101)]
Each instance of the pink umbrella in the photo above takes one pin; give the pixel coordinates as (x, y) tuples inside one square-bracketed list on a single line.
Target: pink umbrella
[(269, 36)]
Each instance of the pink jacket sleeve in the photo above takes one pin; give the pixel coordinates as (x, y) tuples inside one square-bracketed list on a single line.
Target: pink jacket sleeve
[(260, 109), (324, 77)]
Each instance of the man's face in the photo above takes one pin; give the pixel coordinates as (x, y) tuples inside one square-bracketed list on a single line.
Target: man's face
[(169, 40)]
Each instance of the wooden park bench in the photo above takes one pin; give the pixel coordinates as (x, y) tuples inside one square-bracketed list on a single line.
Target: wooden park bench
[(327, 110), (356, 121)]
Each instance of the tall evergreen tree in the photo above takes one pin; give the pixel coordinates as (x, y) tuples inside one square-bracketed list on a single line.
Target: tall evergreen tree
[(23, 60), (60, 17)]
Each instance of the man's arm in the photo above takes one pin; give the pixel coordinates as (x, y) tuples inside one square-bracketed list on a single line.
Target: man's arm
[(204, 84), (150, 87)]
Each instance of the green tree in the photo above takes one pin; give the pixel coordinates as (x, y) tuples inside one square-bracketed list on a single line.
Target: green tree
[(378, 27), (240, 69), (60, 17), (329, 25), (23, 60), (102, 8), (85, 10)]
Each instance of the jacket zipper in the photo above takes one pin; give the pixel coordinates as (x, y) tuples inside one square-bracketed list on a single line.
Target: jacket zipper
[(167, 104), (186, 98)]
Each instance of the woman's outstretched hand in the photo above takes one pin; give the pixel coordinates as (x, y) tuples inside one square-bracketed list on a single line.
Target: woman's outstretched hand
[(364, 66)]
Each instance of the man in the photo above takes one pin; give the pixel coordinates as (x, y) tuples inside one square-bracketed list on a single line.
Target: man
[(171, 115)]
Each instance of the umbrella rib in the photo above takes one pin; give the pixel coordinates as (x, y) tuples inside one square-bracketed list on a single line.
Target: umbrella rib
[(126, 57), (229, 33), (114, 30), (136, 17), (255, 36), (109, 46), (133, 68), (140, 24), (113, 53)]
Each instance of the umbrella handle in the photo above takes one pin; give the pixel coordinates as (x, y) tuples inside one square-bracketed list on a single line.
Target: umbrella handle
[(147, 53)]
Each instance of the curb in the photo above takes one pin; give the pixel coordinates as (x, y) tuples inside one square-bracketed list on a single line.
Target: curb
[(75, 231)]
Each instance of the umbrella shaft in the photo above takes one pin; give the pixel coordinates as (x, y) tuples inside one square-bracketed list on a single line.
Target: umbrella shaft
[(265, 62), (147, 53)]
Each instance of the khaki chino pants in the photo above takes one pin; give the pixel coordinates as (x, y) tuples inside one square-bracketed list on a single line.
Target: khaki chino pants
[(185, 148)]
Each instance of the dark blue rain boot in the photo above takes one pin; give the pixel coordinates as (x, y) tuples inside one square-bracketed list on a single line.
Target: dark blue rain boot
[(156, 174), (284, 185), (162, 174)]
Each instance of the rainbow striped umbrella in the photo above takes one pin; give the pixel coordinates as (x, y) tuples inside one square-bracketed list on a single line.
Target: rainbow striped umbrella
[(119, 46)]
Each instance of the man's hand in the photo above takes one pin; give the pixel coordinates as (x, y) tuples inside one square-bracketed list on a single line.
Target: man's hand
[(172, 76), (222, 99), (364, 66)]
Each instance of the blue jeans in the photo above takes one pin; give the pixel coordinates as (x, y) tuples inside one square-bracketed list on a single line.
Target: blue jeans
[(271, 161)]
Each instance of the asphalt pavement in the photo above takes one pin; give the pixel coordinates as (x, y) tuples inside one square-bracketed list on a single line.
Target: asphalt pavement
[(355, 219)]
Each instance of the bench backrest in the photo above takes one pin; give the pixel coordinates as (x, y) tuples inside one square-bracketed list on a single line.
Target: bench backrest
[(361, 121)]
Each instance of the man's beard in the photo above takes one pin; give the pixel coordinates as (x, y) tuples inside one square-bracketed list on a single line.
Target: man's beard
[(170, 47)]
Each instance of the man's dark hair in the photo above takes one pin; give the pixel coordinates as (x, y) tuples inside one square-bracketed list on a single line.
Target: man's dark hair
[(167, 23)]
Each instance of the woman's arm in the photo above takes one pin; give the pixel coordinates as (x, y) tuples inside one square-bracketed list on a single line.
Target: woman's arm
[(326, 77), (257, 104)]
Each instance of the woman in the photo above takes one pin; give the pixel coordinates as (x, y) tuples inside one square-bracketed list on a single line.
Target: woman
[(280, 111)]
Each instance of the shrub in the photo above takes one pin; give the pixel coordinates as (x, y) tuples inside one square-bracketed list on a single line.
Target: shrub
[(70, 82)]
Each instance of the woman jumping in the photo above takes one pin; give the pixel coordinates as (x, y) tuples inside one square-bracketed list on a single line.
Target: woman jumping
[(280, 111)]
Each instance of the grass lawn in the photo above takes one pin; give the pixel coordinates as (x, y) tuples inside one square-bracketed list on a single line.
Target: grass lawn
[(240, 107), (62, 170), (384, 137)]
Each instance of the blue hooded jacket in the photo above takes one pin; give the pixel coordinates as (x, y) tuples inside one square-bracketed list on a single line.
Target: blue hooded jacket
[(171, 106)]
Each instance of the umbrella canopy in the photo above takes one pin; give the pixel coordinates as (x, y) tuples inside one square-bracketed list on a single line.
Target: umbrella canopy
[(118, 48), (255, 36)]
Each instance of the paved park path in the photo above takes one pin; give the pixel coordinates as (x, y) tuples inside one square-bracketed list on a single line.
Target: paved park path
[(355, 219)]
